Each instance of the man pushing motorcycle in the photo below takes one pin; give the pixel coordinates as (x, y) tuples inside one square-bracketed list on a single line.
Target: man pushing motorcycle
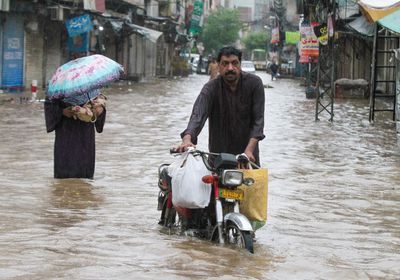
[(233, 103)]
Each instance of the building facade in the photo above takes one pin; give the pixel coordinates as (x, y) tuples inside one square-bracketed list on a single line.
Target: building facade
[(35, 38)]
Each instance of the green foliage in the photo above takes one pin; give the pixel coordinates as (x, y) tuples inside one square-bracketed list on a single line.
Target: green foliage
[(256, 40), (220, 28)]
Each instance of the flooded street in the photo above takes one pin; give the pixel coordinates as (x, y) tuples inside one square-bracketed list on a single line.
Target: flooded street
[(333, 210)]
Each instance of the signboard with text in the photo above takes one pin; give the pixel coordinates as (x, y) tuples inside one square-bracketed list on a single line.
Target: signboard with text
[(275, 36), (195, 21), (308, 45), (321, 31), (78, 25), (13, 52)]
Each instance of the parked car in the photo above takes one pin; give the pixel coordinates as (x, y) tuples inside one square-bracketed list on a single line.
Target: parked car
[(248, 66), (199, 69), (193, 64), (193, 59), (203, 68)]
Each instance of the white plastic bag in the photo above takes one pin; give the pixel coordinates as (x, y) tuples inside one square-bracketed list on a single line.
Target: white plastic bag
[(188, 189)]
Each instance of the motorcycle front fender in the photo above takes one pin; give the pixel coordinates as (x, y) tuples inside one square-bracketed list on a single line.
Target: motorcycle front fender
[(239, 220)]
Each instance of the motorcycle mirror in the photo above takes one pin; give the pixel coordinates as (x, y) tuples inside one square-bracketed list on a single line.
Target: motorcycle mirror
[(248, 181)]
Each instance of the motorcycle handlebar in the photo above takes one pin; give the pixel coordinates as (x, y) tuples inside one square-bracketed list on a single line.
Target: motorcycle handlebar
[(242, 158), (204, 155), (173, 151)]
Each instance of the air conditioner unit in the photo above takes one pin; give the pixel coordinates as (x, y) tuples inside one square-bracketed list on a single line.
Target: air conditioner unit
[(4, 5), (56, 13)]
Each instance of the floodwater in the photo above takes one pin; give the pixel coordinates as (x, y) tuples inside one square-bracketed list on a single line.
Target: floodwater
[(334, 194)]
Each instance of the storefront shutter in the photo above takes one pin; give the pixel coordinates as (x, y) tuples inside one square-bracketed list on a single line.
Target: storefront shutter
[(13, 52)]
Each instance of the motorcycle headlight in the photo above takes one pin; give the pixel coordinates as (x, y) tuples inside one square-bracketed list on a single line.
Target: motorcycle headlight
[(232, 178)]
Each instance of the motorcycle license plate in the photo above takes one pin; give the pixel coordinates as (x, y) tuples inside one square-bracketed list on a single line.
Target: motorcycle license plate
[(231, 194)]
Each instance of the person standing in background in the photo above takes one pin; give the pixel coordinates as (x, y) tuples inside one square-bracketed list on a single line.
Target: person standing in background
[(213, 68), (274, 70)]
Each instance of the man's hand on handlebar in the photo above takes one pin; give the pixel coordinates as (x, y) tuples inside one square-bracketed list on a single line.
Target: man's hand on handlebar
[(249, 151), (250, 155), (186, 143), (245, 159)]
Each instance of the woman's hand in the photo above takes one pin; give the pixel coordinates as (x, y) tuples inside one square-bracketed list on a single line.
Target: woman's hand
[(99, 105), (98, 110), (68, 112)]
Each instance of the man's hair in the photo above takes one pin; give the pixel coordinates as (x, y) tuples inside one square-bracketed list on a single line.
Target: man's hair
[(227, 51)]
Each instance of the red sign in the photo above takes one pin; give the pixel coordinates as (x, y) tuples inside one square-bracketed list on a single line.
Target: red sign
[(308, 45), (275, 36), (95, 5)]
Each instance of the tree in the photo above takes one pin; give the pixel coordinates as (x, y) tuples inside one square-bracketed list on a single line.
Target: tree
[(220, 28), (256, 40)]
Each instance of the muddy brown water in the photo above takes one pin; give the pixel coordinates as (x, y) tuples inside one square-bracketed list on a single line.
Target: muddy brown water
[(333, 194)]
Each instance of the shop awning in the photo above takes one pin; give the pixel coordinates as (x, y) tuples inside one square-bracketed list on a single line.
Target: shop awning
[(362, 26), (379, 4), (118, 26), (375, 10), (150, 34), (385, 12), (391, 21)]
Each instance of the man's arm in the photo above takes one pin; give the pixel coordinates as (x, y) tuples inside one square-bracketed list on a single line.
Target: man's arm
[(197, 120), (249, 151), (257, 125)]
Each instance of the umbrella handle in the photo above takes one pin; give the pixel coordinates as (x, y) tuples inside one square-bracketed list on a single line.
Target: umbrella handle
[(88, 96)]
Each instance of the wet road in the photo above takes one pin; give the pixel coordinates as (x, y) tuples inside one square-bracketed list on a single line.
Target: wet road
[(334, 194)]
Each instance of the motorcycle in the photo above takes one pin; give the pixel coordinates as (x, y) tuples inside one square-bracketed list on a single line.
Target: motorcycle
[(221, 220)]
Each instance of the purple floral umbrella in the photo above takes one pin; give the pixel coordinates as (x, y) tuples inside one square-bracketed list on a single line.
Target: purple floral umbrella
[(81, 78)]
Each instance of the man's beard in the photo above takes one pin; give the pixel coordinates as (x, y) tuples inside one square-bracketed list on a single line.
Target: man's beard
[(230, 76)]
